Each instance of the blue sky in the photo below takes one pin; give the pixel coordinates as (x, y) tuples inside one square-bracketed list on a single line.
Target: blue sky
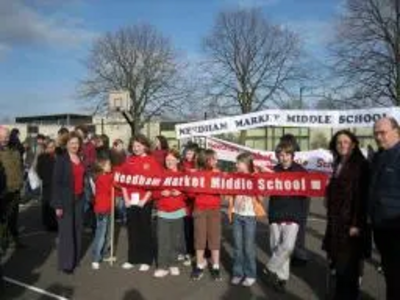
[(43, 42)]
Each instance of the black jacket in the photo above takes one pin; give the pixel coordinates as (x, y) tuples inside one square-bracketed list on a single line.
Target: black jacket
[(286, 208), (63, 195), (384, 204)]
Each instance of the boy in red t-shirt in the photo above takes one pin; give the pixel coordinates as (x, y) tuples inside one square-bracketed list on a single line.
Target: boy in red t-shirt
[(102, 209)]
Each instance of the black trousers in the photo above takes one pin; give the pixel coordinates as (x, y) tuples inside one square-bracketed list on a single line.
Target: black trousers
[(189, 235), (348, 271), (140, 235), (300, 252), (12, 213), (70, 227), (388, 244), (49, 219)]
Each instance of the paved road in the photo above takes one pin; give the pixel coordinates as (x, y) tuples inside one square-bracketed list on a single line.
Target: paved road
[(36, 267)]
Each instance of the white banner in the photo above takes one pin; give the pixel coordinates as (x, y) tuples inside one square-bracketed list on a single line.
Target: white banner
[(316, 160), (286, 118)]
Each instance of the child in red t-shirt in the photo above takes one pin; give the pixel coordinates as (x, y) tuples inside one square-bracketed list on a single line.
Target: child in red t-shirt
[(102, 209), (171, 210), (188, 164), (207, 220)]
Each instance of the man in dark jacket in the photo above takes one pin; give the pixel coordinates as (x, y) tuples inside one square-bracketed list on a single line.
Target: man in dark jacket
[(384, 205), (11, 161)]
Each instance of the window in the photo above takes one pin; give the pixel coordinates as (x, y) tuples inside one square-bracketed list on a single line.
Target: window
[(168, 126)]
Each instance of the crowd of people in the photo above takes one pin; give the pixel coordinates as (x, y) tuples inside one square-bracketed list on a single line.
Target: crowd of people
[(169, 228)]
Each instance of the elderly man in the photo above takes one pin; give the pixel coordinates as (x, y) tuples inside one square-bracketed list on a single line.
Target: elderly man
[(384, 205), (11, 162)]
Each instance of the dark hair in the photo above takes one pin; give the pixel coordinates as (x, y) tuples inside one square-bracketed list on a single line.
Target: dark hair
[(141, 139), (106, 140), (117, 157), (290, 138), (117, 142), (353, 138), (83, 129), (163, 142), (248, 159), (14, 140), (286, 147), (203, 158), (40, 137), (62, 131)]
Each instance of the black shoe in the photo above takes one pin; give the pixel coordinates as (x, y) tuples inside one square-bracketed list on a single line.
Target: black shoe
[(270, 277), (216, 274), (68, 272), (298, 262), (280, 286), (197, 274)]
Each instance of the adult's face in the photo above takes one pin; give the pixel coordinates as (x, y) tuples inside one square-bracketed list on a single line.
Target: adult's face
[(138, 148), (344, 145), (73, 145), (4, 136), (386, 136)]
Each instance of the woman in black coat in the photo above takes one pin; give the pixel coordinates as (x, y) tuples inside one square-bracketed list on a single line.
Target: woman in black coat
[(67, 200), (44, 169), (347, 235)]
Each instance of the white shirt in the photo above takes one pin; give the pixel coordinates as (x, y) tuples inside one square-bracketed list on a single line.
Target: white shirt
[(243, 205)]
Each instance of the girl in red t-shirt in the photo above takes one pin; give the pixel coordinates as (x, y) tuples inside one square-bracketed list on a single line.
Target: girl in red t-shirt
[(171, 210), (102, 209), (139, 207), (207, 220), (188, 164)]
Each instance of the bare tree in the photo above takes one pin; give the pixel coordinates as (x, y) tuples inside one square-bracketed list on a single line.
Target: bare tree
[(251, 62), (142, 61), (367, 52)]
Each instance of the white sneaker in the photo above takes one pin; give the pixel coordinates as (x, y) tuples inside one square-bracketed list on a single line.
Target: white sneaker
[(127, 266), (181, 257), (144, 268), (187, 262), (160, 273), (95, 266), (248, 282), (174, 271), (236, 280)]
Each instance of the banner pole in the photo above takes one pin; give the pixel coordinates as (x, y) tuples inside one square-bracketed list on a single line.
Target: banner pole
[(112, 258)]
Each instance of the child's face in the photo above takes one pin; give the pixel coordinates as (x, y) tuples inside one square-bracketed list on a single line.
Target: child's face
[(213, 162), (171, 162), (138, 148), (189, 156), (107, 167), (285, 159), (242, 167)]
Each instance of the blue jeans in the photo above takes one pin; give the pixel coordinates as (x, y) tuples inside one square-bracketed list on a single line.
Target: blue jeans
[(244, 236), (101, 241), (121, 209)]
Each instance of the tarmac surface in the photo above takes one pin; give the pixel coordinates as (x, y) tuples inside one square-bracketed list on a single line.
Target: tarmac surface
[(32, 274)]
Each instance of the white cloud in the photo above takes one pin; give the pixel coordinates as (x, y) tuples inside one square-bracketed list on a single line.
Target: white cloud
[(22, 25)]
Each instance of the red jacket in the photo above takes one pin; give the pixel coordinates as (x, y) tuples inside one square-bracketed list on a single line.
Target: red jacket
[(170, 203), (102, 200), (140, 164)]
